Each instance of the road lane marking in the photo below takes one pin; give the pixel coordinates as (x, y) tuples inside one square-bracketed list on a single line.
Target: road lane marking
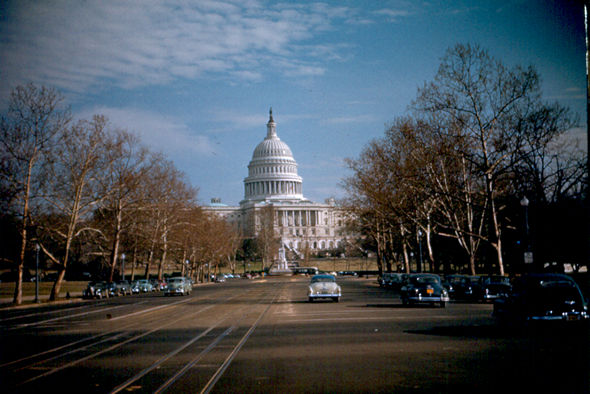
[(64, 317), (108, 349), (215, 378)]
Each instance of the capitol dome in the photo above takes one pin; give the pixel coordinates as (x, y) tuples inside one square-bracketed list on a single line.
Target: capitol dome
[(272, 172)]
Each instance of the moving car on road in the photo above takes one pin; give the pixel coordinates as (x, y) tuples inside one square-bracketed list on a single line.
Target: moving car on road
[(324, 286), (178, 285), (424, 288), (542, 297)]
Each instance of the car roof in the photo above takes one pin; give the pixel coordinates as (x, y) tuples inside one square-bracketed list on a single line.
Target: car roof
[(536, 279), (424, 275), (323, 276)]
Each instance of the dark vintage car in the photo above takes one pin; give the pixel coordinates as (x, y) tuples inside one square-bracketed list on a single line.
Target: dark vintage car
[(542, 297), (424, 288), (391, 280), (468, 288), (494, 286), (451, 282), (91, 290), (99, 290)]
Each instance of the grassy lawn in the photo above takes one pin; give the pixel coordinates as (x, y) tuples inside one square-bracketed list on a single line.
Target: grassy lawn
[(7, 288)]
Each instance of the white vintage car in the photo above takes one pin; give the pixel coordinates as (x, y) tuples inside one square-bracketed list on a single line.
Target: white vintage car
[(178, 285), (324, 286)]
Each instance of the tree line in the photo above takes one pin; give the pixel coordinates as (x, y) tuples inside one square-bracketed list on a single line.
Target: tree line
[(480, 171), (86, 193)]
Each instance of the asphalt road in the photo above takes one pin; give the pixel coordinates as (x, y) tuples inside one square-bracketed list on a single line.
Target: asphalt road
[(263, 336)]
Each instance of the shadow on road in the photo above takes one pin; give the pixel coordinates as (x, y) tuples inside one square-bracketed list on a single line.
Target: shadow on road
[(557, 332)]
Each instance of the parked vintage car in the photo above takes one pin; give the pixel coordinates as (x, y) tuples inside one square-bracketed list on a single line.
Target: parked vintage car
[(178, 285), (123, 287), (494, 286), (324, 286), (468, 288), (450, 282), (424, 288), (542, 297), (142, 286), (348, 273), (93, 290), (158, 285), (391, 280), (99, 289)]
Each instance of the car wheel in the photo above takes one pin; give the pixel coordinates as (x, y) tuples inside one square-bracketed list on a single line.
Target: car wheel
[(443, 304), (336, 299), (310, 299)]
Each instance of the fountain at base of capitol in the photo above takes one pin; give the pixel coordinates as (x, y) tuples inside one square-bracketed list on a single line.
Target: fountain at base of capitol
[(280, 266)]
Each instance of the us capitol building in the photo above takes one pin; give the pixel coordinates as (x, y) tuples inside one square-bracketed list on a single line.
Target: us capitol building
[(273, 182)]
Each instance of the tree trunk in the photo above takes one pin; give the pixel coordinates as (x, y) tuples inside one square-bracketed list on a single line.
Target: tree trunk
[(18, 286), (116, 241), (70, 236), (494, 216)]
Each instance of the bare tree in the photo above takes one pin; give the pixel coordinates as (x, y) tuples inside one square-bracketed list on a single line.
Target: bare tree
[(36, 117), (129, 166), (550, 165), (484, 101), (168, 196), (74, 189), (266, 237)]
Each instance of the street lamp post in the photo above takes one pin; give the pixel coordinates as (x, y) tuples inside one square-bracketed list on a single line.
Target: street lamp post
[(420, 249), (122, 266), (37, 248), (528, 254)]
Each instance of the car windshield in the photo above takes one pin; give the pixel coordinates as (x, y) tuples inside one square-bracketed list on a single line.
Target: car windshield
[(497, 279), (323, 278), (176, 280), (424, 280), (555, 292)]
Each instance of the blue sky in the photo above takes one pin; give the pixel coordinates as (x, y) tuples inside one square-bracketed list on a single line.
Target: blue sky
[(195, 79)]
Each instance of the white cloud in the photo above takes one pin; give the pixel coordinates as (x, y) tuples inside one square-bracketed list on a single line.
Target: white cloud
[(364, 118), (160, 133), (392, 15), (76, 45)]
